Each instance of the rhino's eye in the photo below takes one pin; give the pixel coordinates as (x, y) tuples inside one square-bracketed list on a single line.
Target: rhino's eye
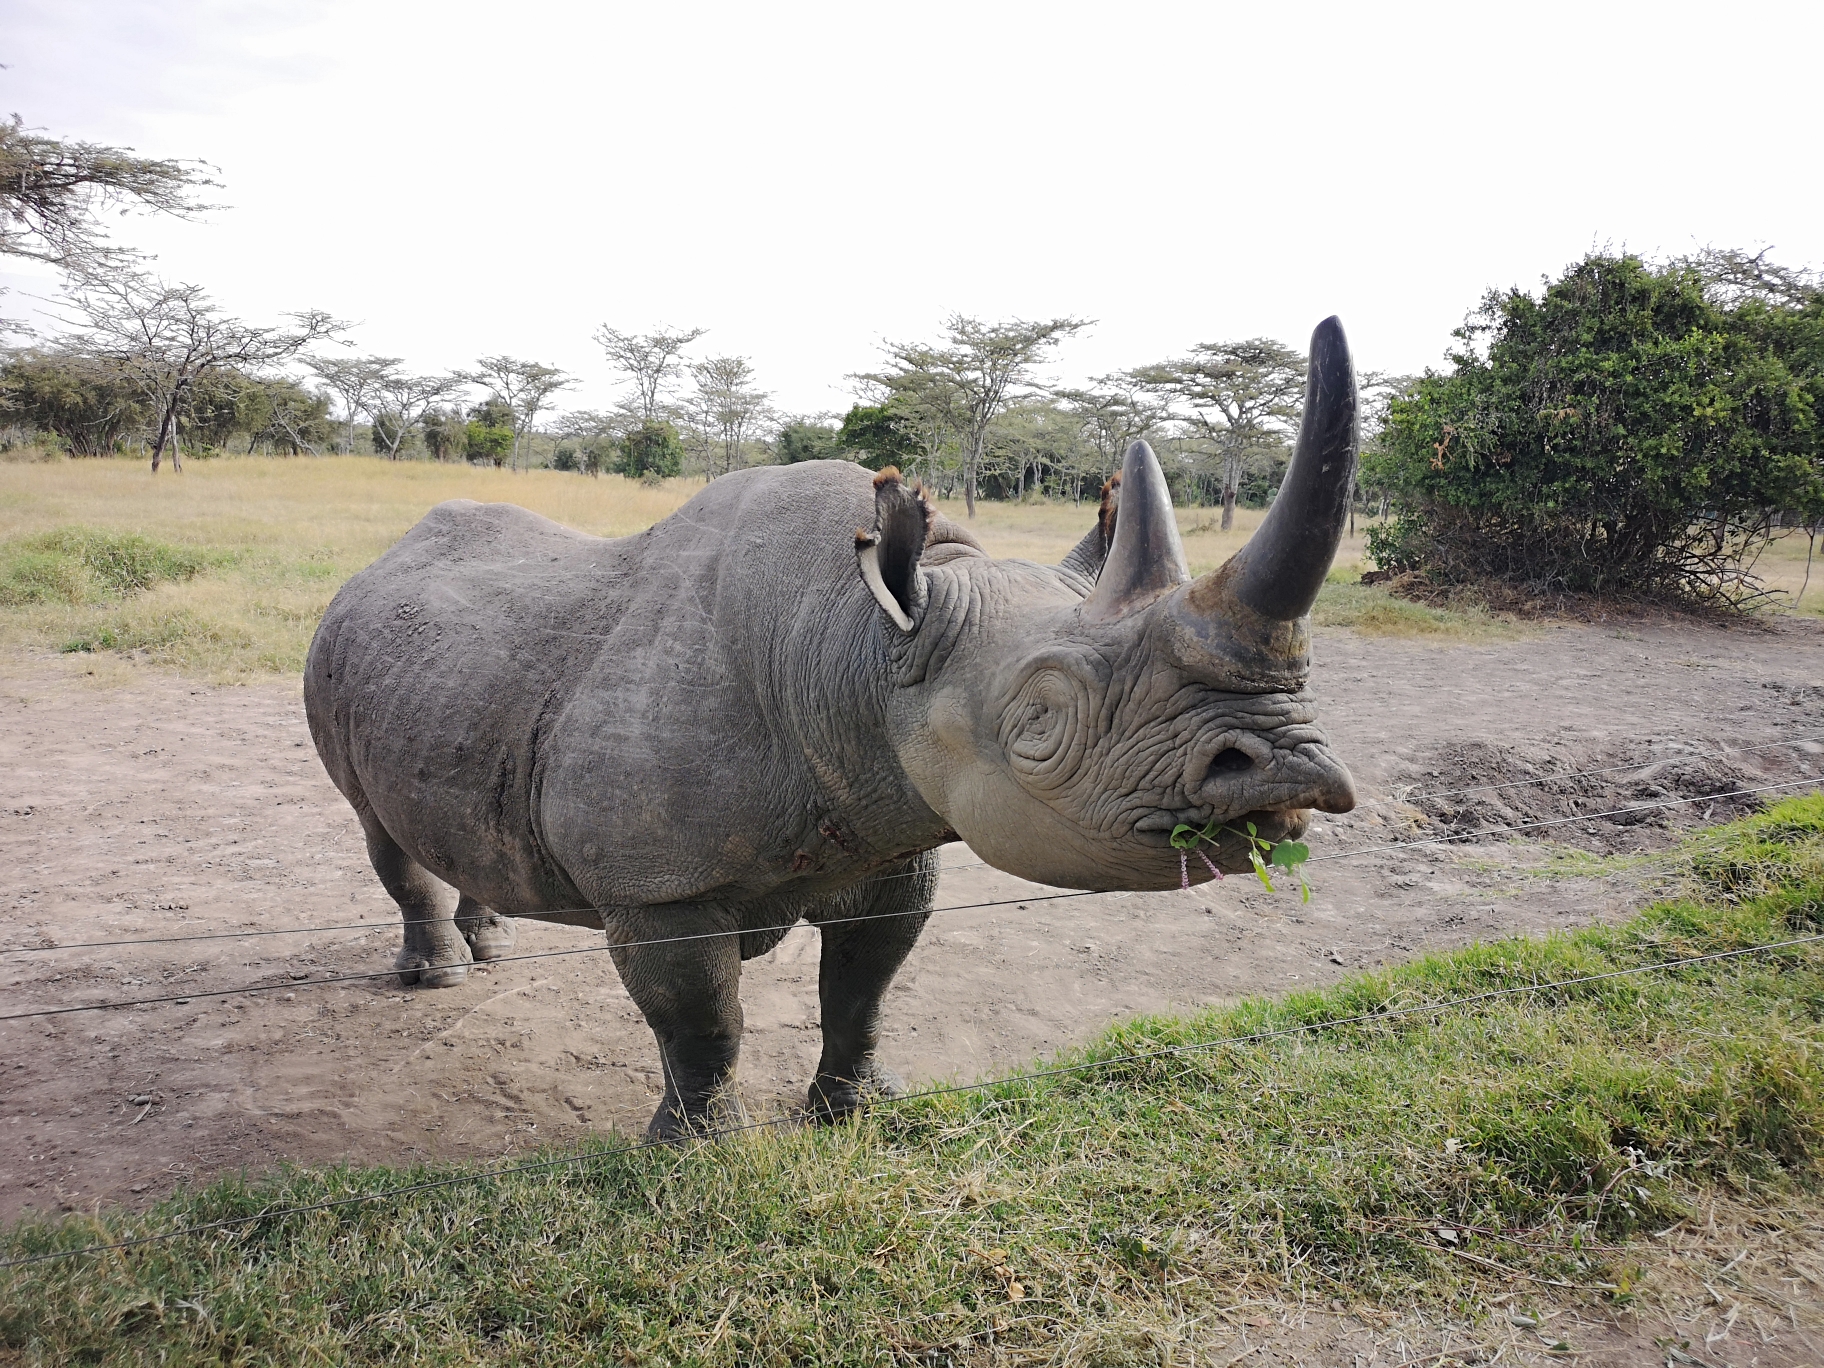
[(1044, 728)]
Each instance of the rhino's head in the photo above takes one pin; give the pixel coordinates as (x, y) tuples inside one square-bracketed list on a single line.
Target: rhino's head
[(1063, 719)]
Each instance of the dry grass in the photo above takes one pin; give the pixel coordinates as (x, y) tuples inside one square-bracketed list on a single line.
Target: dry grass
[(1044, 531), (277, 537), (1782, 566), (283, 536)]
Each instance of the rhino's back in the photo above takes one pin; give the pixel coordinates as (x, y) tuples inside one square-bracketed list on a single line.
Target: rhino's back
[(447, 677)]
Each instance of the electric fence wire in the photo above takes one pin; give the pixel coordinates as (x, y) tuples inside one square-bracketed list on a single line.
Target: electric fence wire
[(295, 984), (1136, 1057), (1408, 799)]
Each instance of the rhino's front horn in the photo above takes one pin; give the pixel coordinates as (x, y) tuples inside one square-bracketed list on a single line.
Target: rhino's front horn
[(1146, 558), (1246, 625)]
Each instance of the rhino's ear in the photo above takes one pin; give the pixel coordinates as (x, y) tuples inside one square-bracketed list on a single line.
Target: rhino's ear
[(1086, 556), (888, 555)]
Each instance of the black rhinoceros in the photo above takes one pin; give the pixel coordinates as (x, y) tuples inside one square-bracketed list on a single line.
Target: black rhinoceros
[(778, 702)]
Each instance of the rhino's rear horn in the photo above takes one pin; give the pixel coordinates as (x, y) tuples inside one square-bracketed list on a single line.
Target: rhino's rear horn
[(888, 555), (1145, 558)]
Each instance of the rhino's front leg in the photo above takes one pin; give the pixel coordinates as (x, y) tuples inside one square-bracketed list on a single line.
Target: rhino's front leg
[(860, 958), (689, 992)]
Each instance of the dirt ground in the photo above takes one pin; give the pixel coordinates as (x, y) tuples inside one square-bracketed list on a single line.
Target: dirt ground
[(160, 807), (137, 804)]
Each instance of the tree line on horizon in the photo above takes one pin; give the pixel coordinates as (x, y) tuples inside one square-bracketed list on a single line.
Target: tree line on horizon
[(1635, 427), (143, 362)]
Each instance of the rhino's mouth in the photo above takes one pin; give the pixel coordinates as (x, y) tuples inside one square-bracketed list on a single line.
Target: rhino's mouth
[(1270, 824)]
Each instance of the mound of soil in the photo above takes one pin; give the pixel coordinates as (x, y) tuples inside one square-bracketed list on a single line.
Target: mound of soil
[(1611, 790)]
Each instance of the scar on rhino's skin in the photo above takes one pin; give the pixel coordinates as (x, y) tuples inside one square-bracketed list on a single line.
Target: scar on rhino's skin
[(802, 861), (831, 829)]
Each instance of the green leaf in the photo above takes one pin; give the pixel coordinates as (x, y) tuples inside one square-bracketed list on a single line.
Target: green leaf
[(1260, 869), (1184, 837), (1288, 854)]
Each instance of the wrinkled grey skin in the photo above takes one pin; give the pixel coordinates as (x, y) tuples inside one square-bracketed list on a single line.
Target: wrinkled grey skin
[(713, 726)]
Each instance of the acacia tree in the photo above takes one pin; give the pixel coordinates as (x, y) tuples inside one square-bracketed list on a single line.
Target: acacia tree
[(1241, 396), (1037, 436), (652, 362), (89, 404), (525, 387), (597, 436), (355, 380), (922, 405), (52, 192), (401, 402), (988, 366), (165, 337), (729, 402), (1117, 410)]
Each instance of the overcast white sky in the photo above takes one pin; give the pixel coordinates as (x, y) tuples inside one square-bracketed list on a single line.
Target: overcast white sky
[(804, 179)]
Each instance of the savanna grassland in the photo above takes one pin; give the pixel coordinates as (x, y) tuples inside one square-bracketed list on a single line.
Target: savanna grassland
[(225, 569)]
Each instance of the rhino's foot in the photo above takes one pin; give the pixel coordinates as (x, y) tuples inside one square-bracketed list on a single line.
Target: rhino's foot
[(489, 937), (416, 969), (833, 1097), (673, 1122)]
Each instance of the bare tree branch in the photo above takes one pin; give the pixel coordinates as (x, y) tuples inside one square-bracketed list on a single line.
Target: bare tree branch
[(51, 191), (651, 361)]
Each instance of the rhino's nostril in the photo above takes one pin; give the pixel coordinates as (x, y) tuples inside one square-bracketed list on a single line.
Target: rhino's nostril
[(1231, 761)]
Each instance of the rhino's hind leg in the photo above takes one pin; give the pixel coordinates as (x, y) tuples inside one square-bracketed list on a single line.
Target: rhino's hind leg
[(859, 960), (435, 954), (489, 934), (690, 993)]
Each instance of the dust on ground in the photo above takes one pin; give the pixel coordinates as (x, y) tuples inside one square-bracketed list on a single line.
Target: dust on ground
[(160, 807)]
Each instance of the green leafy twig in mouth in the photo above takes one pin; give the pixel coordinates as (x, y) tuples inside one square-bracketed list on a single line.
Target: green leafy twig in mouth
[(1264, 855)]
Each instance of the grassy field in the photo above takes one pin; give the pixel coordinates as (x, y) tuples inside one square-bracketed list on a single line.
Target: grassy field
[(1430, 1158), (225, 570)]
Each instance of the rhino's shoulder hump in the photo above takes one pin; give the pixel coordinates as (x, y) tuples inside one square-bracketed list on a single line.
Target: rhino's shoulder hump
[(461, 528)]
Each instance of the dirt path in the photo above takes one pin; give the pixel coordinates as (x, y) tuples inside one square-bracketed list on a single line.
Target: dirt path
[(169, 808)]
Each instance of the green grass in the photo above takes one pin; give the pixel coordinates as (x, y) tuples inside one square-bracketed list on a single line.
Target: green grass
[(1543, 1131), (87, 565)]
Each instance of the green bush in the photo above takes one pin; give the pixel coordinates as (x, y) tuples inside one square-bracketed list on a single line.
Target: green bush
[(653, 448), (806, 441), (485, 442), (78, 564), (1629, 431)]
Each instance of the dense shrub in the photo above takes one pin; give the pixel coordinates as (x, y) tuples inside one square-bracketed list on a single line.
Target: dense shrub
[(806, 441), (1632, 430), (652, 449)]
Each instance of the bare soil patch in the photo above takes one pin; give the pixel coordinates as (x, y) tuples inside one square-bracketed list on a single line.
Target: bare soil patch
[(154, 807)]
